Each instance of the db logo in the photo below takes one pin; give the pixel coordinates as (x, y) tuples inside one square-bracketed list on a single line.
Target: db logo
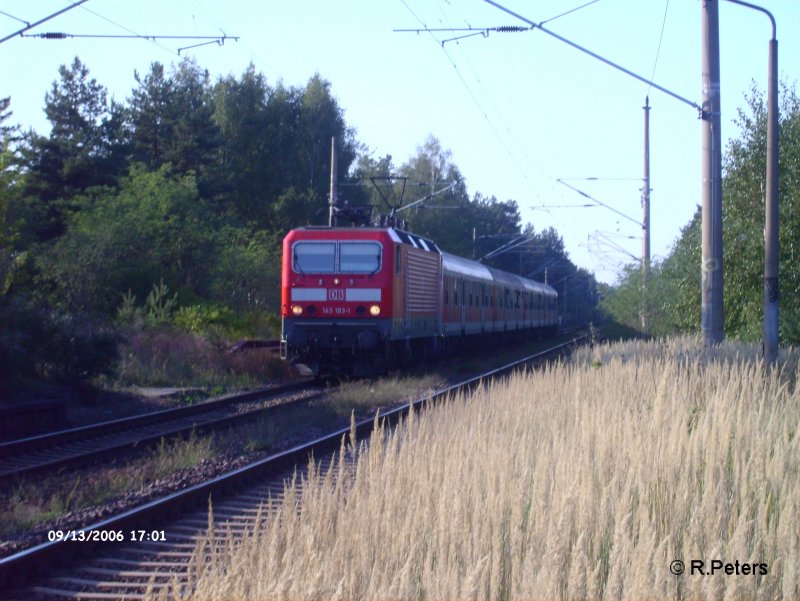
[(335, 294)]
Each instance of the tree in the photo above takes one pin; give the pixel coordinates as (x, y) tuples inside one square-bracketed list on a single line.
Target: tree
[(155, 227), (432, 170), (276, 150), (7, 132), (171, 119), (240, 113), (247, 271), (85, 148), (11, 181)]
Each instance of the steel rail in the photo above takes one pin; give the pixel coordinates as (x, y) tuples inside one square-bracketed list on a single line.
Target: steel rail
[(130, 430), (19, 568)]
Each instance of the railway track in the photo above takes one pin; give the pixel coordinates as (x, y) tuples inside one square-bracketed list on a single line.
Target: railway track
[(167, 529), (90, 444)]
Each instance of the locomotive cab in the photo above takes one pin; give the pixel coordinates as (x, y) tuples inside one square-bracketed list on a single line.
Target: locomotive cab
[(335, 296)]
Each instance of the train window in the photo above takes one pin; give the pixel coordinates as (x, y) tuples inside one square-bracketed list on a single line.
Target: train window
[(359, 257), (314, 257)]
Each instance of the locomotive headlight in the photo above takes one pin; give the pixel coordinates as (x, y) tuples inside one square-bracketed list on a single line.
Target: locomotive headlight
[(374, 310), (336, 281), (297, 310)]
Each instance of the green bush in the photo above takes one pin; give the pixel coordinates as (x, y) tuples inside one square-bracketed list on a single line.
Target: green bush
[(199, 318), (37, 342)]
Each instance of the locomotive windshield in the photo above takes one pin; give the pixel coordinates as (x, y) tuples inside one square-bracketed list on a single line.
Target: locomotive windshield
[(322, 257), (314, 257), (359, 257)]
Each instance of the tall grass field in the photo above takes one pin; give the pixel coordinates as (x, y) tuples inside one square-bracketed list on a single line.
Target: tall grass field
[(589, 479)]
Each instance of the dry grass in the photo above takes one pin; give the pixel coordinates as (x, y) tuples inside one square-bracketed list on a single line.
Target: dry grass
[(383, 392), (173, 358), (581, 481)]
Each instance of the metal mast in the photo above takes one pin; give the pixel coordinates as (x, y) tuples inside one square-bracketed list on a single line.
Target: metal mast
[(646, 214), (712, 308), (771, 254), (333, 200)]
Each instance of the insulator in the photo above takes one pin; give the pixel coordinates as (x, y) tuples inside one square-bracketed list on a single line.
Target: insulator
[(511, 29), (54, 35)]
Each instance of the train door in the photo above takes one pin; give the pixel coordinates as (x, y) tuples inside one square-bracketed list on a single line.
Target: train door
[(463, 306), (406, 296), (482, 308), (493, 301)]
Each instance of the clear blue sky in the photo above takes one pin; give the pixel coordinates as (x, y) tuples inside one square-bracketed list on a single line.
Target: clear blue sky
[(517, 110)]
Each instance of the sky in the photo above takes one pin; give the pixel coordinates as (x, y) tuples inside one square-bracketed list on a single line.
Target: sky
[(526, 116)]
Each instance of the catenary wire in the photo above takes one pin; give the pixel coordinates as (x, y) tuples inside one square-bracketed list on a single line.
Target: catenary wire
[(562, 224), (658, 50)]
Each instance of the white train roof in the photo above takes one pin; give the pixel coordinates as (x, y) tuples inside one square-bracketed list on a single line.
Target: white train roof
[(465, 267), (473, 269)]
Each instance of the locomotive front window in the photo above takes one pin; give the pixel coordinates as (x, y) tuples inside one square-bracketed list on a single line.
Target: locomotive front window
[(314, 257), (359, 257)]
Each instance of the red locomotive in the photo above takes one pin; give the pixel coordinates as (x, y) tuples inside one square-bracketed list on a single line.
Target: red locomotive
[(364, 299)]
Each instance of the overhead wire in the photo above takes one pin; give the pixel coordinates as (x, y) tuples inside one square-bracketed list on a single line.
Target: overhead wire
[(211, 19), (497, 113), (658, 50), (29, 26), (564, 14), (484, 113), (507, 128), (466, 85), (10, 16), (129, 30)]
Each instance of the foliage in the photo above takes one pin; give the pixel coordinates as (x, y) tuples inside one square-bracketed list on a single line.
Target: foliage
[(10, 258), (154, 228), (85, 148), (276, 155), (159, 305), (673, 294), (171, 122), (6, 131), (41, 342), (199, 318), (247, 270)]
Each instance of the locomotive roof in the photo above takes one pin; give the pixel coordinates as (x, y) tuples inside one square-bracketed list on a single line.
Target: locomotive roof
[(399, 236), (414, 240)]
